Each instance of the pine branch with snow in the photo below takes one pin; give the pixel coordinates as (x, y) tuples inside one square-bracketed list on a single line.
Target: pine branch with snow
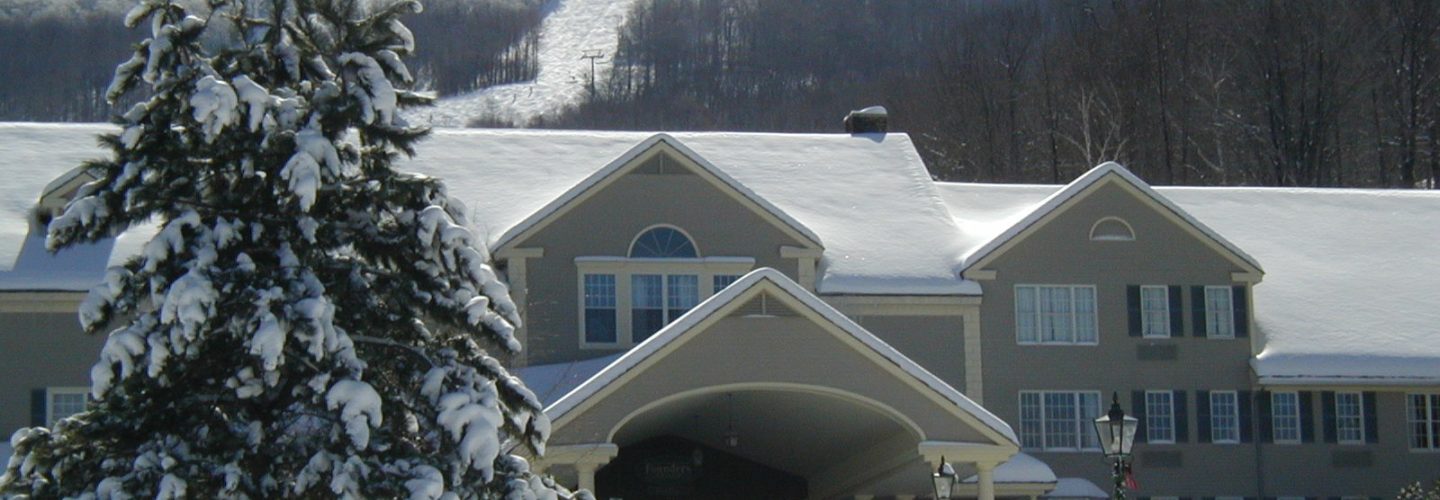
[(308, 321)]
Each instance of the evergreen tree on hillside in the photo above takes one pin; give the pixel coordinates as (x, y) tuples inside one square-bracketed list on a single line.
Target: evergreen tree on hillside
[(308, 322)]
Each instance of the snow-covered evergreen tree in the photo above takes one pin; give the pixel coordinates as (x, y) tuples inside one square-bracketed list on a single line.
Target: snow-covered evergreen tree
[(308, 322)]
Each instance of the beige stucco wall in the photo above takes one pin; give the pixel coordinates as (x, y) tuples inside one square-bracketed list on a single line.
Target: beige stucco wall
[(41, 350), (789, 350), (936, 343), (606, 223), (1163, 253)]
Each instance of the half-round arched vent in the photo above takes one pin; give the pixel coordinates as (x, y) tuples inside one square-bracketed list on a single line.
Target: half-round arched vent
[(1112, 229), (663, 242)]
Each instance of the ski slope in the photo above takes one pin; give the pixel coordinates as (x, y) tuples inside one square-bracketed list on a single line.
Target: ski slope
[(570, 28)]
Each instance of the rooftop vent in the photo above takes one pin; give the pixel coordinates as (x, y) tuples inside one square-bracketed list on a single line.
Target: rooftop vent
[(871, 120)]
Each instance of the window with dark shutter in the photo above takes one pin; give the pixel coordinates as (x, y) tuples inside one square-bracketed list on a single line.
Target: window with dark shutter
[(1241, 308), (37, 408), (1246, 421), (1132, 300), (1307, 417), (1327, 412), (1202, 416), (1182, 421), (1197, 311), (1372, 426), (1177, 312), (1137, 405)]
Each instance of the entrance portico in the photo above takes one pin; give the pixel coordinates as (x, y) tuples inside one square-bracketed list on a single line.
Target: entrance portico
[(765, 377)]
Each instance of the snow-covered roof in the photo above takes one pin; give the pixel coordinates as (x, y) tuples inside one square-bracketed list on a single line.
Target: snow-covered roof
[(867, 197), (1350, 294), (1075, 487), (550, 382), (741, 288), (1020, 468), (611, 170), (1058, 198)]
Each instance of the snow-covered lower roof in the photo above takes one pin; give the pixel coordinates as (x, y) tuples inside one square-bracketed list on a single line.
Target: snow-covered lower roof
[(1021, 468), (1351, 294), (550, 382), (1075, 487), (741, 289)]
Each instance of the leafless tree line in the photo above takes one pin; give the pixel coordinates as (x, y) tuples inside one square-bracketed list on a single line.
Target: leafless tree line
[(1213, 92), (56, 63)]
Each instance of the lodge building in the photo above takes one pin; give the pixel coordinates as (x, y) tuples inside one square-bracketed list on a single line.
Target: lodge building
[(742, 315)]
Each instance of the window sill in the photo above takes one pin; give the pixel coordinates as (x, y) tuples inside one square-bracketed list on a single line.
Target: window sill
[(1059, 344)]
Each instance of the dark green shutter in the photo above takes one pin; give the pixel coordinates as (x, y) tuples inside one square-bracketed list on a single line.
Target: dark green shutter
[(1307, 417), (1327, 409), (1132, 298), (1202, 416), (1372, 426), (37, 408), (1243, 406), (1241, 306), (1137, 410), (1197, 311), (1182, 420), (1177, 312), (1266, 415)]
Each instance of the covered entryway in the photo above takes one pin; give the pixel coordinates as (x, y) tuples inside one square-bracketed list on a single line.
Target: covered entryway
[(769, 382)]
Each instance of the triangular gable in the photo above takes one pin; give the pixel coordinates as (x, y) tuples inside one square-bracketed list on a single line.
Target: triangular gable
[(1062, 200), (634, 158), (780, 287)]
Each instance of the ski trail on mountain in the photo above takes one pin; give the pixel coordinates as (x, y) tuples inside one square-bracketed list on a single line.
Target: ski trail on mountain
[(571, 28)]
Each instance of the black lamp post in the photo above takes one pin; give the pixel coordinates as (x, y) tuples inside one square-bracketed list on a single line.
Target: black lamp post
[(1117, 434), (944, 480)]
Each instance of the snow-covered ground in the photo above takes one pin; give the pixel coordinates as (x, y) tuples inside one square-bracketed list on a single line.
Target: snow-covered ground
[(570, 28)]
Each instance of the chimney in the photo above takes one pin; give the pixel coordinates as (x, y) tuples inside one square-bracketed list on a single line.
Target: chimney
[(871, 120)]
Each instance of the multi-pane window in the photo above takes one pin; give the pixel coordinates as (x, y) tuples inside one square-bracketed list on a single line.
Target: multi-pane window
[(663, 242), (720, 281), (656, 300), (1424, 420), (1059, 420), (1159, 417), (1285, 416), (63, 402), (600, 308), (1155, 311), (1349, 417), (1055, 314), (1219, 312), (1224, 417)]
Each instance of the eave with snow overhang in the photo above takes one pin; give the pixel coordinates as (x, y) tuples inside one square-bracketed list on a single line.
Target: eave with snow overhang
[(823, 399)]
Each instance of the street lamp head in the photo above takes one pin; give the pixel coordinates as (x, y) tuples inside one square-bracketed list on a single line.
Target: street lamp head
[(944, 479), (1116, 429)]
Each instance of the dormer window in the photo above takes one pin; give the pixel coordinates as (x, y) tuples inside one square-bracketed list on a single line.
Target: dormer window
[(625, 300), (1112, 229)]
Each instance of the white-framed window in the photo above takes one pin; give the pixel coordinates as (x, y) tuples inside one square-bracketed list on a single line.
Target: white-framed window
[(1055, 314), (1059, 420), (61, 402), (625, 300), (1285, 417), (1224, 417), (1349, 418), (1155, 311), (599, 315), (1219, 312), (720, 281), (1159, 417), (1423, 412)]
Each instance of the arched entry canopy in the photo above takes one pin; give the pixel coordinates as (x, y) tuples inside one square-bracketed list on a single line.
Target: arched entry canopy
[(766, 373)]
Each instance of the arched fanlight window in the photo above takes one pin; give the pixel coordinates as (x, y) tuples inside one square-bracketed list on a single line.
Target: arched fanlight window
[(663, 242), (1112, 229)]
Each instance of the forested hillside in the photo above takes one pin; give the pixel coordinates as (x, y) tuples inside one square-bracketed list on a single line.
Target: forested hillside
[(1237, 92), (60, 54)]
